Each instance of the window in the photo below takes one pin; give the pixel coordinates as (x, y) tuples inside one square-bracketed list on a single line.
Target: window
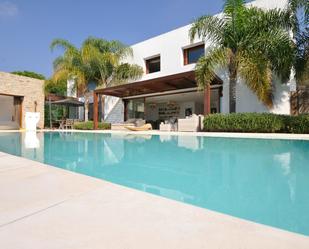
[(153, 65), (192, 55), (136, 108)]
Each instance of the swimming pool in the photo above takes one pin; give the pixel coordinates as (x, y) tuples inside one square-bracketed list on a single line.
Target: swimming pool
[(266, 181)]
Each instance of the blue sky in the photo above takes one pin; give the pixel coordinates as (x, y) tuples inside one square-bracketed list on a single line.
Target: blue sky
[(28, 26)]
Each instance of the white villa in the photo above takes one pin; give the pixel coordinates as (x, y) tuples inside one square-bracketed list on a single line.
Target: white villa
[(168, 88)]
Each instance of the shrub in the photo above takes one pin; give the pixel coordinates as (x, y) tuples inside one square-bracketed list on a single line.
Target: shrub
[(297, 124), (89, 126), (257, 122)]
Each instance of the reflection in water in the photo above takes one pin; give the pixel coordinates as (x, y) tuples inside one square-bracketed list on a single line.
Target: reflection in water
[(31, 140), (284, 161), (190, 142), (165, 137), (261, 180)]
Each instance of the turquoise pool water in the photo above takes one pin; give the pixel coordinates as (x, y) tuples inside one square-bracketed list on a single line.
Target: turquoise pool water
[(266, 181)]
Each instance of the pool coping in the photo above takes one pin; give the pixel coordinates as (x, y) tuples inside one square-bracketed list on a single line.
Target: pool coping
[(175, 224), (285, 136)]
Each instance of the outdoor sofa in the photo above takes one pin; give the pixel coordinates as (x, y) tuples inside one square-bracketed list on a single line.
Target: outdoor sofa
[(192, 123)]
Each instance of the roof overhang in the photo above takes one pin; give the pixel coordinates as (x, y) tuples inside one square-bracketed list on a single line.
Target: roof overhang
[(179, 81)]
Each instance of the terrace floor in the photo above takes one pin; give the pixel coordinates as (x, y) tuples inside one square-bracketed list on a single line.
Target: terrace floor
[(46, 207)]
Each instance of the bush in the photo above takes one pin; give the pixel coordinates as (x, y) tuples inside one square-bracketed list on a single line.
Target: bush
[(89, 126), (298, 124), (244, 122), (256, 122)]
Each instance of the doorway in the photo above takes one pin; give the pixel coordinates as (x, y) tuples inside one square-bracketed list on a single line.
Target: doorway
[(10, 112)]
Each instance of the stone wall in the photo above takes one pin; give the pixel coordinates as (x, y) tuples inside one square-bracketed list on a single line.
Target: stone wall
[(31, 89)]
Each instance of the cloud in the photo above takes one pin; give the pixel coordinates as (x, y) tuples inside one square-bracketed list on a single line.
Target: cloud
[(8, 9)]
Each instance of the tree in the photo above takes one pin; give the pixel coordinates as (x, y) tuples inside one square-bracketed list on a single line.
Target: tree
[(97, 60), (29, 74), (252, 43), (58, 88), (300, 10)]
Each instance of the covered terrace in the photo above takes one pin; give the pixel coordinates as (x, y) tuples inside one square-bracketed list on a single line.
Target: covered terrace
[(161, 98)]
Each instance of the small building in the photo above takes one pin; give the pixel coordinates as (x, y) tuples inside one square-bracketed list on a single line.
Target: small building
[(18, 95), (168, 87)]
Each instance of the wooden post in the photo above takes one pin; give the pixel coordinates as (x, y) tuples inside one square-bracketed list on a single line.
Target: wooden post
[(95, 110), (125, 103), (50, 114), (207, 100)]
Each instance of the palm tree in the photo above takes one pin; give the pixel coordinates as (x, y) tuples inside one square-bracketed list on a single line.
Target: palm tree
[(97, 60), (106, 59), (300, 10), (252, 43)]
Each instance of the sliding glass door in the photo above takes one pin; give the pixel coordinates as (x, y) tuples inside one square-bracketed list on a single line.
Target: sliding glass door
[(136, 108)]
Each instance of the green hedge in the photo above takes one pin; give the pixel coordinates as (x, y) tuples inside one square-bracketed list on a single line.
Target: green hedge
[(256, 122), (89, 126), (297, 124)]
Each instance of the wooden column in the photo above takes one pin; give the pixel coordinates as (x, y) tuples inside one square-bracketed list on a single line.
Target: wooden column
[(207, 100), (95, 110), (125, 103)]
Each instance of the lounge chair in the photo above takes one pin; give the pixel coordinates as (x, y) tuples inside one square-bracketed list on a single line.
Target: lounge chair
[(145, 127), (129, 123)]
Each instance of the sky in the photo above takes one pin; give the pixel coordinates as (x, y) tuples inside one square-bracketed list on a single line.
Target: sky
[(27, 27)]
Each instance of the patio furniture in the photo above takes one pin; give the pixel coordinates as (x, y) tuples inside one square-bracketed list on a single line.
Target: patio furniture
[(192, 123), (69, 123), (169, 125), (131, 123), (146, 127), (61, 123), (165, 127)]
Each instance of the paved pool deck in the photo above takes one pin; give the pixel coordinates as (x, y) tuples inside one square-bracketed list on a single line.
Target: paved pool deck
[(46, 207)]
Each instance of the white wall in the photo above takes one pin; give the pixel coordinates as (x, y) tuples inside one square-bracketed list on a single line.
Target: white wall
[(6, 108), (169, 46), (247, 101), (269, 4), (71, 88)]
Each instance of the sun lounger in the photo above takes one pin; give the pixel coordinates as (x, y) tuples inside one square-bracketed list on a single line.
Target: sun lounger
[(145, 127), (121, 127), (129, 123)]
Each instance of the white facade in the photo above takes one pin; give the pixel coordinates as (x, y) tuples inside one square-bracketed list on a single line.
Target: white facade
[(170, 47)]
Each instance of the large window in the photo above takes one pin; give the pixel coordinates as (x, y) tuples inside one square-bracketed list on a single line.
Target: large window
[(192, 55), (153, 65), (136, 108)]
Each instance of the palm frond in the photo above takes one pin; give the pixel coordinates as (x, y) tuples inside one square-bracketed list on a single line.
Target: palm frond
[(271, 19), (256, 72), (276, 45), (62, 43), (208, 27), (231, 7), (295, 5), (125, 72), (206, 66)]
